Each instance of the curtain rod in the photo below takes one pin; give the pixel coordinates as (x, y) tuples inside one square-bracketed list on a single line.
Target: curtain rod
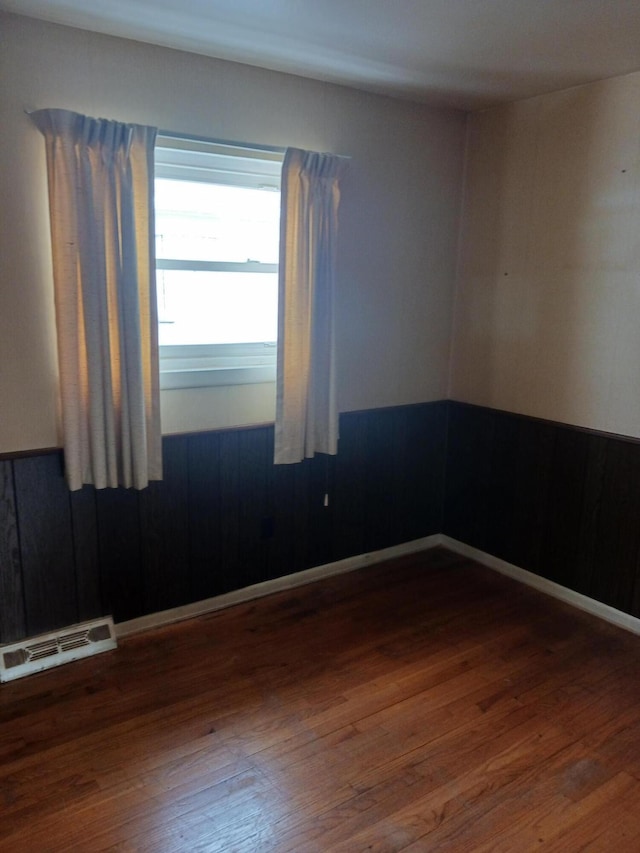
[(171, 134)]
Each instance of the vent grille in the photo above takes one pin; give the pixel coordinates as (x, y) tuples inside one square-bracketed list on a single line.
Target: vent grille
[(74, 641), (37, 653)]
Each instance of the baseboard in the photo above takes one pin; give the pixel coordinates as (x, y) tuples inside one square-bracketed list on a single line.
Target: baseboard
[(208, 605), (576, 599)]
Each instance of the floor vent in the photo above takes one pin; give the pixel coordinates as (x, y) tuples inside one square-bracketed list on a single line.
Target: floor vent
[(48, 650)]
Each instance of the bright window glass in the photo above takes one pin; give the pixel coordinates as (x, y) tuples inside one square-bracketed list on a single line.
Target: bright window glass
[(202, 307), (211, 222), (217, 216)]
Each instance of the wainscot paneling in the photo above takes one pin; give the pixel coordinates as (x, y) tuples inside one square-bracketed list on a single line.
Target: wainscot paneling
[(12, 620), (46, 542), (223, 517), (559, 501)]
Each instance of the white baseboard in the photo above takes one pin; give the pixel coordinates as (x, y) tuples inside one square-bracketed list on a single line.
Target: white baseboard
[(208, 605), (258, 590), (576, 599)]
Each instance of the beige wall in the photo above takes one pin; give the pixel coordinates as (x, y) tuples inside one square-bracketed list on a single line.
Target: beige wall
[(548, 295), (398, 217)]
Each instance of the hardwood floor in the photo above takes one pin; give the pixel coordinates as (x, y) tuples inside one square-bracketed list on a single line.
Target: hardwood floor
[(420, 705)]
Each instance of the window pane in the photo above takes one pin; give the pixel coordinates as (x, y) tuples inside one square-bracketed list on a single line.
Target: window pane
[(212, 222), (217, 307)]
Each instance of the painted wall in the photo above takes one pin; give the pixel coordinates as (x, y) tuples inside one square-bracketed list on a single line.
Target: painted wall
[(398, 216), (549, 273)]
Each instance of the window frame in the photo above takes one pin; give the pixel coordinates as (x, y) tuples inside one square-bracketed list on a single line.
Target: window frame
[(231, 164)]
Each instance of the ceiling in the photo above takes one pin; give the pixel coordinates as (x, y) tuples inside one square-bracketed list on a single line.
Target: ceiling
[(467, 53)]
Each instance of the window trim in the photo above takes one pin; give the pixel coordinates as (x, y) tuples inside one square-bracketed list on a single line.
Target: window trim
[(208, 161)]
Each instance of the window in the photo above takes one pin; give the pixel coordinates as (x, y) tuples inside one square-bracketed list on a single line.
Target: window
[(217, 211)]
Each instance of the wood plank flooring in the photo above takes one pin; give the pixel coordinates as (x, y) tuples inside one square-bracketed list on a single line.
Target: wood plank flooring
[(425, 704)]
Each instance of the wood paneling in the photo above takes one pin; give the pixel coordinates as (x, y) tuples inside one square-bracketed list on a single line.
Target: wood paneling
[(244, 460), (252, 462), (503, 512), (12, 615), (164, 532), (591, 507), (223, 517), (287, 551), (205, 515), (468, 478), (349, 501), (564, 507), (380, 509), (85, 545), (533, 472), (319, 473), (419, 446), (46, 543), (618, 524), (389, 477), (120, 553), (558, 501)]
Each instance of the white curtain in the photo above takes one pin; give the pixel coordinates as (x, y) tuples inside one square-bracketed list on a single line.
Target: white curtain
[(102, 228), (306, 408)]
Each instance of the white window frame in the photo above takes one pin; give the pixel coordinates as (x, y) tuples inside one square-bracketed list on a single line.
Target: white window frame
[(198, 366)]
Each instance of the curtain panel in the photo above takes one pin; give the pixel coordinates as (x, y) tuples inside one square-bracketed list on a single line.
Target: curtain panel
[(100, 176), (306, 407)]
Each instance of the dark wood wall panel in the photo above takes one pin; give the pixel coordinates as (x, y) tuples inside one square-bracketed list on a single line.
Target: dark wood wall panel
[(121, 577), (289, 524), (224, 517), (350, 500), (468, 478), (389, 476), (501, 506), (84, 522), (319, 476), (252, 460), (420, 445), (164, 532), (242, 486), (532, 489), (46, 543), (615, 556), (205, 515), (380, 496), (558, 501), (591, 509), (559, 555), (12, 613)]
